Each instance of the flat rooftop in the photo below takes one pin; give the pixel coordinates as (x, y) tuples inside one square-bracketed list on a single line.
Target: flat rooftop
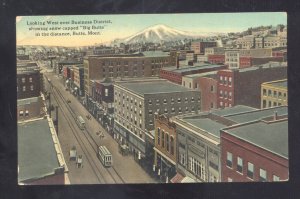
[(270, 136), (279, 83), (206, 124), (257, 114), (206, 74), (232, 110), (187, 68), (153, 87), (138, 54), (37, 156)]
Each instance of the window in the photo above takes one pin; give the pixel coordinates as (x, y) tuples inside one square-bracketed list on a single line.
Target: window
[(264, 92), (230, 95), (182, 159), (212, 89), (211, 105), (270, 104), (23, 79), (150, 102), (166, 110), (158, 136), (179, 110), (30, 79), (21, 113), (183, 83), (264, 103), (197, 168), (274, 103), (157, 102), (196, 85), (190, 85), (150, 122), (150, 112), (186, 100), (106, 92), (229, 81), (192, 100), (172, 145), (240, 165), (24, 88), (221, 93), (173, 110), (163, 139), (229, 179), (26, 113), (186, 108), (172, 100), (262, 175), (229, 160), (178, 100), (167, 142), (31, 87), (276, 178), (269, 92), (165, 101), (221, 104)]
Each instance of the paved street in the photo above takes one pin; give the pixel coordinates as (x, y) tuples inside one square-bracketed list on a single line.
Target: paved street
[(125, 166)]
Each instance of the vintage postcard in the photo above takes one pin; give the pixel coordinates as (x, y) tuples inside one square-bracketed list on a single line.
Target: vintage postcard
[(152, 98)]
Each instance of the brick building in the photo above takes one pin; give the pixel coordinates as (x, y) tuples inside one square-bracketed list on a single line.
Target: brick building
[(145, 64), (175, 74), (242, 87), (79, 79), (274, 93), (207, 84), (216, 59), (256, 151), (165, 156), (29, 80)]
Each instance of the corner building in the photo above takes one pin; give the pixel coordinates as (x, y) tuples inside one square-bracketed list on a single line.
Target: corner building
[(137, 101)]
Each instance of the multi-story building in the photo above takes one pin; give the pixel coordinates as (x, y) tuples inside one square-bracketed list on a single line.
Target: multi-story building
[(198, 143), (145, 64), (251, 41), (40, 158), (243, 86), (136, 102), (29, 80), (199, 46), (175, 74), (216, 59), (79, 79), (214, 51), (256, 151), (274, 93), (67, 62), (207, 84), (165, 156), (236, 58)]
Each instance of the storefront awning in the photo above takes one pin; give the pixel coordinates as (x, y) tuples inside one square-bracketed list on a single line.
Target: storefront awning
[(177, 178)]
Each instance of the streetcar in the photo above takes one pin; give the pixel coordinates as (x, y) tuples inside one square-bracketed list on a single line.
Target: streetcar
[(105, 156), (80, 122)]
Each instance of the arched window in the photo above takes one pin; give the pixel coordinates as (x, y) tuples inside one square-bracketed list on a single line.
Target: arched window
[(167, 142), (172, 145), (158, 136), (163, 139)]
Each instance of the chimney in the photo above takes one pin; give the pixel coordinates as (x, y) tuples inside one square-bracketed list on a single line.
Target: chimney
[(275, 117), (177, 60)]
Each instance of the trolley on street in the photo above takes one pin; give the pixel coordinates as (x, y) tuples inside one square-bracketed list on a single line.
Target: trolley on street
[(73, 153), (79, 161), (80, 122), (105, 156)]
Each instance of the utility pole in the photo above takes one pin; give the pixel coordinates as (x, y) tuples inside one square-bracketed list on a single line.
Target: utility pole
[(56, 119), (49, 109)]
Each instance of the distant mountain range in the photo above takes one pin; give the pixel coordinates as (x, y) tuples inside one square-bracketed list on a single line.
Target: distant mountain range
[(159, 33)]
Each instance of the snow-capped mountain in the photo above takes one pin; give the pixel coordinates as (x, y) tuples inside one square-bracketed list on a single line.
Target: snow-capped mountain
[(160, 33)]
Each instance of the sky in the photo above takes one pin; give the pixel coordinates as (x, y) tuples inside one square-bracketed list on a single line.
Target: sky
[(121, 26)]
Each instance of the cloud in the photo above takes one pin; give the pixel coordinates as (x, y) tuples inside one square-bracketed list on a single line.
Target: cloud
[(18, 19)]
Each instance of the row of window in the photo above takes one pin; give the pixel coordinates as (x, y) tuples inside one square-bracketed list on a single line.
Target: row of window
[(225, 80), (22, 113), (190, 85), (165, 101), (226, 94), (274, 93), (165, 141), (250, 169), (24, 79), (222, 104), (173, 110), (24, 88), (270, 104)]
